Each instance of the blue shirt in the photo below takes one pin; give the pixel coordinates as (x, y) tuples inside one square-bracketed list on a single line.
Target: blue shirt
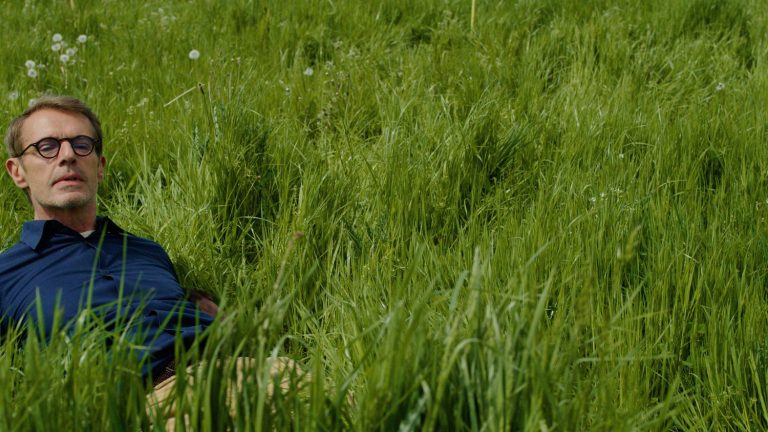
[(68, 272)]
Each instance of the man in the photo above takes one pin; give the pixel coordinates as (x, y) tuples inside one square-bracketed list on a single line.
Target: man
[(69, 259)]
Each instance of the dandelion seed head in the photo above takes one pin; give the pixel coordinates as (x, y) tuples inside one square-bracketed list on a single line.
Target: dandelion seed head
[(593, 200), (720, 86), (82, 39), (32, 73), (309, 71), (64, 58), (12, 96), (31, 102), (56, 47), (57, 37), (29, 64), (194, 54), (71, 51)]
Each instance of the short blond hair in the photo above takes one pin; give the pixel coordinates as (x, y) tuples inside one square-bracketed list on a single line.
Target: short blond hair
[(61, 103)]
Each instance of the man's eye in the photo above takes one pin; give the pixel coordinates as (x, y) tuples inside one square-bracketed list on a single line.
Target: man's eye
[(82, 144), (48, 146)]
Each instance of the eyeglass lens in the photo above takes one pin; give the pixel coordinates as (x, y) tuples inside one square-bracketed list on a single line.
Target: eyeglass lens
[(81, 145)]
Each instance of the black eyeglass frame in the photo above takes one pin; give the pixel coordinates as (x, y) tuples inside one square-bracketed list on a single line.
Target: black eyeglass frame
[(92, 141)]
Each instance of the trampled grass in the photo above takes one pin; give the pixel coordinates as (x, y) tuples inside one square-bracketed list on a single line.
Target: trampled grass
[(555, 222)]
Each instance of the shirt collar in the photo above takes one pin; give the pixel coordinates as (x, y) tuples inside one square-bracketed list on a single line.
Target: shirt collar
[(34, 232)]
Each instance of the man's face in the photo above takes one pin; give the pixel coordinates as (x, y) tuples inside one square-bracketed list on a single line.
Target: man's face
[(68, 181)]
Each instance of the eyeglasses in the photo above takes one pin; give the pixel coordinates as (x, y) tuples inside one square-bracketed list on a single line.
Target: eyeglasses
[(49, 147)]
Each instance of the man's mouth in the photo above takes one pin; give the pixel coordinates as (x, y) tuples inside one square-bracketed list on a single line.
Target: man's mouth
[(68, 178)]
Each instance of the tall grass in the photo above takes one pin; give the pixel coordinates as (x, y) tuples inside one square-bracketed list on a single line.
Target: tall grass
[(556, 221)]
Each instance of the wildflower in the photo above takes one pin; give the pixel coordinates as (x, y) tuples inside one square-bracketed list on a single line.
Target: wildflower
[(71, 51), (82, 39), (64, 58), (56, 47), (194, 54), (309, 71), (720, 86), (32, 73), (12, 96), (593, 200), (57, 37), (31, 102), (29, 64)]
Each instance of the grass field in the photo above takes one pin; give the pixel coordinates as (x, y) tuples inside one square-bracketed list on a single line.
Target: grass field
[(555, 221)]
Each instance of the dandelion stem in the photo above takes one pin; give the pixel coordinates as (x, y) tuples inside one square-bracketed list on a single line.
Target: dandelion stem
[(184, 93), (472, 16)]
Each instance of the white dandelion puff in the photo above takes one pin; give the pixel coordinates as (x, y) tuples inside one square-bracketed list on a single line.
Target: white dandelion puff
[(71, 51), (64, 58), (56, 47), (309, 71), (57, 37), (82, 39), (12, 96), (29, 64), (720, 86), (31, 102), (32, 73), (194, 54)]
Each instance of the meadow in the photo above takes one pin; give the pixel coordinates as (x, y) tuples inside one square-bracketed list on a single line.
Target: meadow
[(550, 215)]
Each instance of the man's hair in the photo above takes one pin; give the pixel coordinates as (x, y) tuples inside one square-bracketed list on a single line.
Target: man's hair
[(60, 103)]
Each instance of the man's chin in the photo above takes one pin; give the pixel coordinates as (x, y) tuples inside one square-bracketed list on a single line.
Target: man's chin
[(73, 202)]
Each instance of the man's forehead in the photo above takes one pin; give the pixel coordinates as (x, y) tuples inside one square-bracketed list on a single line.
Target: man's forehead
[(57, 123)]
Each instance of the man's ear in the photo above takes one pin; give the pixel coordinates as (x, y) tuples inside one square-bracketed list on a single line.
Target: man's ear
[(16, 170), (102, 164)]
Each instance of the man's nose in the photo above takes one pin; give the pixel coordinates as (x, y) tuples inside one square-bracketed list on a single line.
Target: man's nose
[(66, 152)]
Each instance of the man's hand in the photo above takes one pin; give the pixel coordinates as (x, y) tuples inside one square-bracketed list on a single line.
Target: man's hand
[(204, 302)]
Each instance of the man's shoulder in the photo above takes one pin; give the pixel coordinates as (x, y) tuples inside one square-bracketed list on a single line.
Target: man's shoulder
[(143, 244), (142, 241), (13, 250), (114, 229), (12, 256)]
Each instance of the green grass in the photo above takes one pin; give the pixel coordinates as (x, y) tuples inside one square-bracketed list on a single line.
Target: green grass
[(555, 222)]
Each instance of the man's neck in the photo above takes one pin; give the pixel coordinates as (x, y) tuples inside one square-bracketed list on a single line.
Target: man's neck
[(79, 220)]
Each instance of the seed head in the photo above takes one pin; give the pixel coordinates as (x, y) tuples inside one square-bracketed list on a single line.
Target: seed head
[(194, 54), (57, 37)]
